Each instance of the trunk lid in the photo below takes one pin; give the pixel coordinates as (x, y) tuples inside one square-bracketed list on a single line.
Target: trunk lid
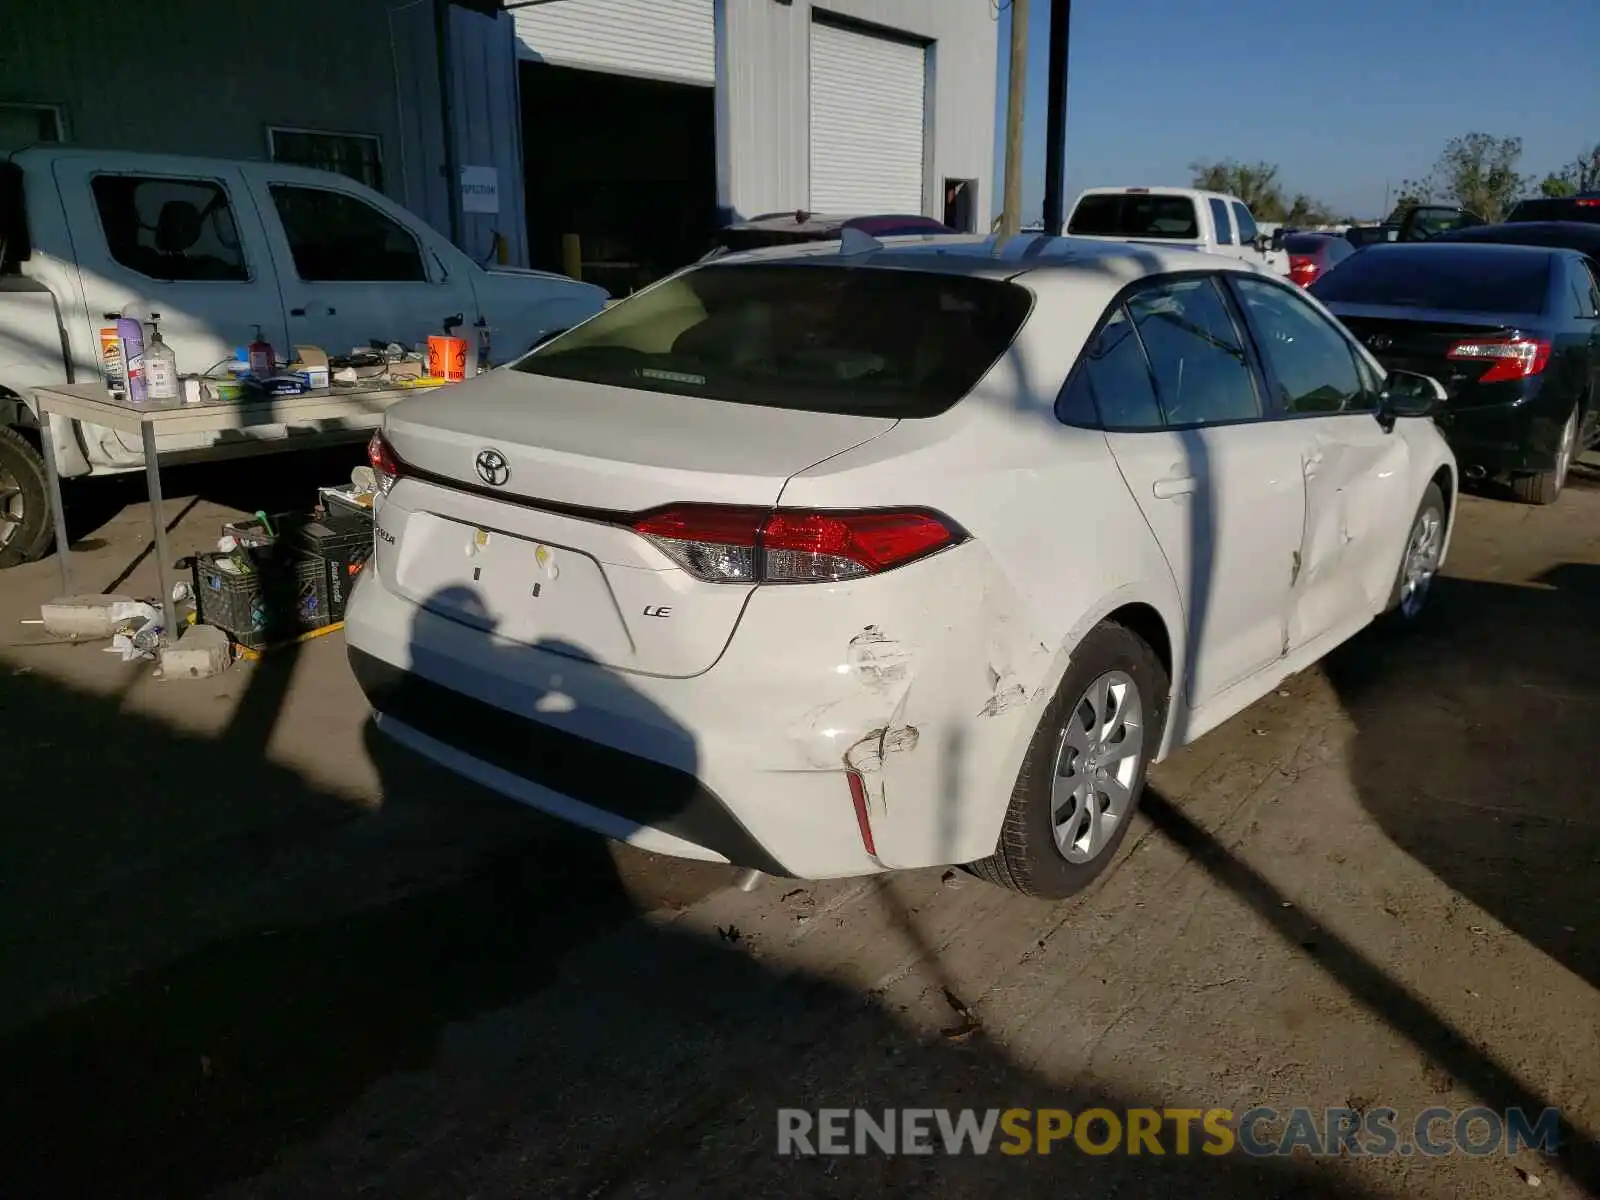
[(537, 549), (1413, 339)]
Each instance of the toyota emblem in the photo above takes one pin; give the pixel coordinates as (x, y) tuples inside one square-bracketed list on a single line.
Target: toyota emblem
[(492, 467), (1380, 341)]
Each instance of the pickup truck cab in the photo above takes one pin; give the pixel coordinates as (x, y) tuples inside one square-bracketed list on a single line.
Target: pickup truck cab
[(1208, 221), (218, 248)]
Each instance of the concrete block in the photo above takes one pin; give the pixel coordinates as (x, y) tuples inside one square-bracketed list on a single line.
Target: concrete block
[(202, 651), (87, 616)]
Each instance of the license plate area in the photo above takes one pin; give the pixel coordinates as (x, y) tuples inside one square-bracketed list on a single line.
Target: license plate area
[(521, 588)]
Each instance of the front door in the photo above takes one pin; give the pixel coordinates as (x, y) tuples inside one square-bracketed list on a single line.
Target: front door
[(1356, 471), (1221, 486)]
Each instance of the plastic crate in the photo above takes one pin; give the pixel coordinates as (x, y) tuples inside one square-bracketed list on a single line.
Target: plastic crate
[(341, 544), (273, 596)]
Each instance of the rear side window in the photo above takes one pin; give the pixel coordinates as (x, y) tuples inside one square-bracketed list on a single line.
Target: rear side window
[(1202, 373), (1457, 278), (336, 238), (798, 336), (1223, 222), (1566, 208), (1112, 387), (1123, 214), (169, 228)]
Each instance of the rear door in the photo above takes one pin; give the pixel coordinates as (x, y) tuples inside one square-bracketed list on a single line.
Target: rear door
[(355, 269), (1356, 472), (1220, 485)]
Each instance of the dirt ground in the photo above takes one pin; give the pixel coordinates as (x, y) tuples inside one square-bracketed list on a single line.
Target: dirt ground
[(251, 951)]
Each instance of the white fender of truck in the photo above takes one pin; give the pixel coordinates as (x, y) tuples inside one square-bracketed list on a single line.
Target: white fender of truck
[(31, 355)]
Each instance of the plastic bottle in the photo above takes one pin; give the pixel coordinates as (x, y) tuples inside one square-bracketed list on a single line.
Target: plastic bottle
[(111, 356), (160, 365), (262, 363), (131, 334)]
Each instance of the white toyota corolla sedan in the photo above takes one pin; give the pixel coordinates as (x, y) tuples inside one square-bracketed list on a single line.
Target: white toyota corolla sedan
[(842, 559)]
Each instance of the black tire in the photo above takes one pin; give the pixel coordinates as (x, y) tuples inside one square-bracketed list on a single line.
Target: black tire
[(1397, 615), (1026, 858), (22, 469), (1545, 487)]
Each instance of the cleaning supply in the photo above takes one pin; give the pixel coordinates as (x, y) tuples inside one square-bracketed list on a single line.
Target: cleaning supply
[(261, 360), (111, 356), (130, 333), (160, 365)]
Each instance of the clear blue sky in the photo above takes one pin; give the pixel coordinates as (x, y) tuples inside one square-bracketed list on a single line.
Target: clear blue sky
[(1343, 97)]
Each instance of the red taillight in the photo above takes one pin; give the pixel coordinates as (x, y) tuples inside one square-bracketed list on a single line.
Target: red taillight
[(1303, 269), (1588, 203), (858, 797), (741, 544), (385, 462), (1513, 358)]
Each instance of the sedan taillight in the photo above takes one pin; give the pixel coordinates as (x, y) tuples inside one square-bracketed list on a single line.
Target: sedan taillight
[(1513, 358), (746, 544), (385, 462), (1303, 269)]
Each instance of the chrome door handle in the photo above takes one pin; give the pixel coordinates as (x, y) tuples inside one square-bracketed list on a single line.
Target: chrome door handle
[(1175, 486)]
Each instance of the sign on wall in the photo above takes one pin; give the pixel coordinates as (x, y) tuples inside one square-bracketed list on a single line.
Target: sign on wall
[(480, 190)]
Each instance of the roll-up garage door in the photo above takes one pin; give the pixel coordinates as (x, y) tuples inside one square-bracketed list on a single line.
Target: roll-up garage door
[(866, 123), (662, 39)]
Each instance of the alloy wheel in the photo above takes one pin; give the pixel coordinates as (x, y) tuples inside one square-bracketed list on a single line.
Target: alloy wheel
[(1569, 437), (1097, 766), (13, 506), (1421, 563)]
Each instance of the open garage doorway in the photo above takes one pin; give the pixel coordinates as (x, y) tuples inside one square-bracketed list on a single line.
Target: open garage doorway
[(626, 164)]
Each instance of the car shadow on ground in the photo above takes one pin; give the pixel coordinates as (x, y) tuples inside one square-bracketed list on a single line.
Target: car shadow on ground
[(1476, 751), (217, 975)]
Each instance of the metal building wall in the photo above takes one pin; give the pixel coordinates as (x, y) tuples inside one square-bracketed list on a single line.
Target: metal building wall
[(487, 104), (764, 77), (203, 77)]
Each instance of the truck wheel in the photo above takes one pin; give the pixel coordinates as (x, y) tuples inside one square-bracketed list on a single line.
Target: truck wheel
[(25, 531)]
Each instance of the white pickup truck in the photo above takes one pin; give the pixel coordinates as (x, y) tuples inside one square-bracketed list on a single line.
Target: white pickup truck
[(218, 247), (1208, 221)]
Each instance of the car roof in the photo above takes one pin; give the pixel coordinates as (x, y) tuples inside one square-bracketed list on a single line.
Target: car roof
[(800, 221), (1572, 235), (1003, 257)]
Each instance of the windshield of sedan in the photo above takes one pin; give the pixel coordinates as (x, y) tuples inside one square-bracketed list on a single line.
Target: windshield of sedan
[(1460, 279), (830, 339)]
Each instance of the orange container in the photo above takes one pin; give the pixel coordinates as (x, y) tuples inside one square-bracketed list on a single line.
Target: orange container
[(447, 358)]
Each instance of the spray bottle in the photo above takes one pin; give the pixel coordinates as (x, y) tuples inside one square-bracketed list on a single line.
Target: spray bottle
[(111, 356), (130, 332)]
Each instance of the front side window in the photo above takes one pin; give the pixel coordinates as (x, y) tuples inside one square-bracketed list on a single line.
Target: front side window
[(1112, 387), (1247, 224), (813, 338), (170, 229), (1311, 365), (1223, 222), (1203, 375), (337, 238)]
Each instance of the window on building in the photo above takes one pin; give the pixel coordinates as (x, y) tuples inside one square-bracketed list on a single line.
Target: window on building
[(335, 237), (352, 154), (30, 125), (172, 229)]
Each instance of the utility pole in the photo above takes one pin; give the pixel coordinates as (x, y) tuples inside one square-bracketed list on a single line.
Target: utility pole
[(1011, 213), (1055, 138)]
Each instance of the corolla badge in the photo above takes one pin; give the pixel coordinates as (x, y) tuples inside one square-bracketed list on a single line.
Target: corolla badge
[(1380, 341), (492, 467)]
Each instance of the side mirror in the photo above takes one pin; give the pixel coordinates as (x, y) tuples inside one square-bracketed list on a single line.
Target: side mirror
[(1408, 394), (1278, 237), (1262, 243)]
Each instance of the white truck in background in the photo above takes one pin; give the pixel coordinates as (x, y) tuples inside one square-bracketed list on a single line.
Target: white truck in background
[(218, 247), (1208, 221)]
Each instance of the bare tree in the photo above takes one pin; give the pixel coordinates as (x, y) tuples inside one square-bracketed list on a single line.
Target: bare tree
[(1583, 172), (1254, 183)]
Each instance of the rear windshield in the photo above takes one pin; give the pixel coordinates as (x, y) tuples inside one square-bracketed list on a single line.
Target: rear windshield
[(1459, 279), (1301, 243), (830, 339), (1569, 208), (1122, 215)]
